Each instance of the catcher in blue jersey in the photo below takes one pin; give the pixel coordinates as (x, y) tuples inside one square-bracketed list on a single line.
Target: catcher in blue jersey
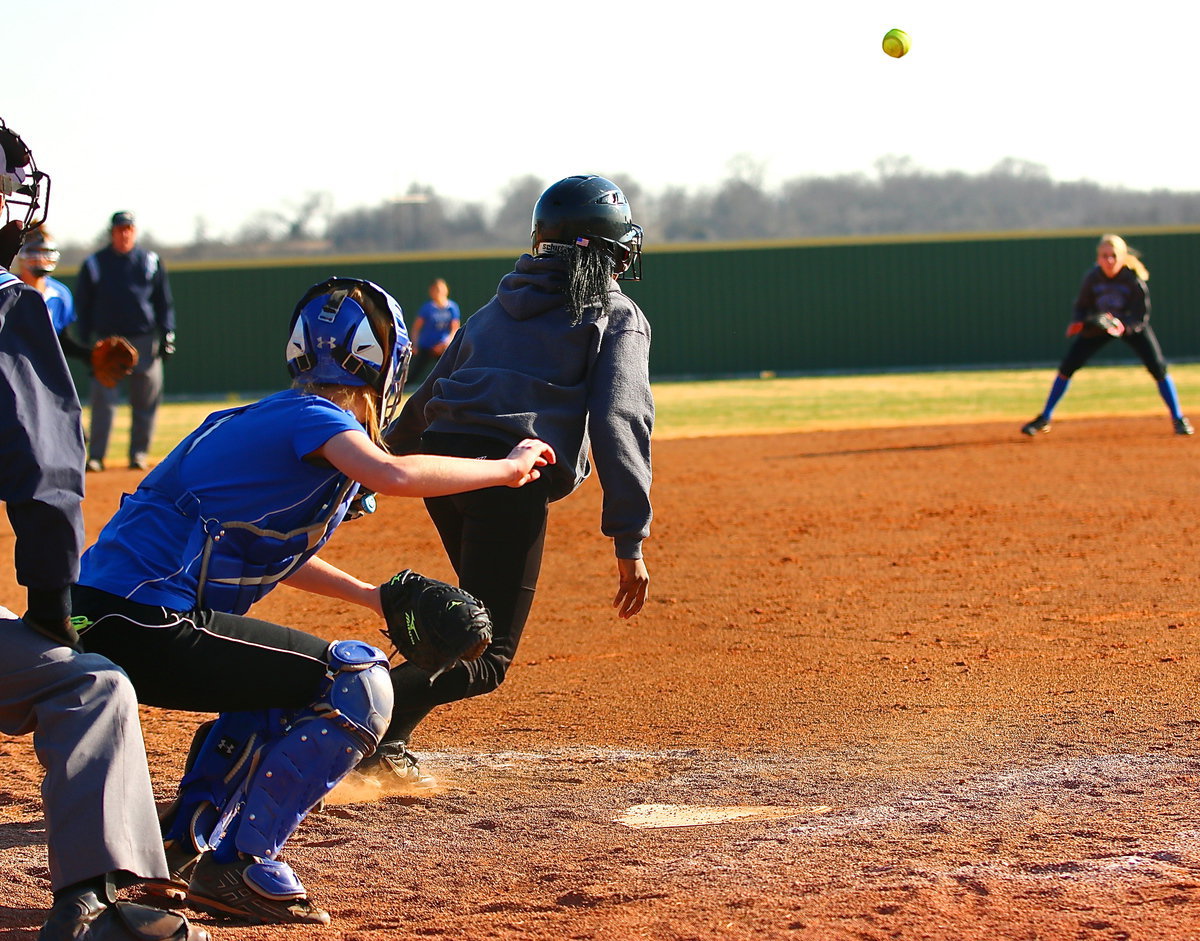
[(242, 504), (1113, 301)]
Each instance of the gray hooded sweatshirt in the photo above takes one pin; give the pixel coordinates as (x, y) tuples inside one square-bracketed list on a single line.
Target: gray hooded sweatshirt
[(521, 368)]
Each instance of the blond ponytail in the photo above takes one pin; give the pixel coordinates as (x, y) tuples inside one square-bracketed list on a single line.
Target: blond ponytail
[(1128, 257)]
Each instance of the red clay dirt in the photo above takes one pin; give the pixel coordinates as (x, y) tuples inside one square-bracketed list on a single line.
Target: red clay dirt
[(913, 683)]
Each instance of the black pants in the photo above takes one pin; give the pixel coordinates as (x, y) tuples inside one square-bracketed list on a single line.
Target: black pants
[(494, 538), (1143, 342), (203, 661)]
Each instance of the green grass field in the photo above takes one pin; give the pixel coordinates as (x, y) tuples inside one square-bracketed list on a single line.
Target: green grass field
[(756, 406)]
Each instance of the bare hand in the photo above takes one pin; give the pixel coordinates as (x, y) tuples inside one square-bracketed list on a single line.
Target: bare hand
[(529, 455), (635, 583)]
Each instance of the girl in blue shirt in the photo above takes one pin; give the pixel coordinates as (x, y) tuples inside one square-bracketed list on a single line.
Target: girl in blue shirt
[(245, 502)]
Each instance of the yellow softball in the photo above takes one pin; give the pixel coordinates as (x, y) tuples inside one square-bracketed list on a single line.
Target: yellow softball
[(896, 43)]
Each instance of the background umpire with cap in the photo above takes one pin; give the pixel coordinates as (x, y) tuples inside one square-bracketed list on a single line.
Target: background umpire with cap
[(123, 290)]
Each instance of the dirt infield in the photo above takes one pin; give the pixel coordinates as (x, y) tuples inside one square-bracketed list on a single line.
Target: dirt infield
[(909, 683)]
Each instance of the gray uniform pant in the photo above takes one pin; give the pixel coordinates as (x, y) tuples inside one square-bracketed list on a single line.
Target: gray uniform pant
[(145, 395), (96, 794)]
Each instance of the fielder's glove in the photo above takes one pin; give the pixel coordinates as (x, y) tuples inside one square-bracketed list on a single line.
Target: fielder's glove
[(1098, 324), (113, 358), (434, 625)]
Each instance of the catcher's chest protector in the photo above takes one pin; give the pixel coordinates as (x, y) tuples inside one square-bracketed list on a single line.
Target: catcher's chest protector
[(241, 562)]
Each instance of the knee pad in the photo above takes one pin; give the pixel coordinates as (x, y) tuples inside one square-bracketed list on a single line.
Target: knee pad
[(357, 692), (323, 744)]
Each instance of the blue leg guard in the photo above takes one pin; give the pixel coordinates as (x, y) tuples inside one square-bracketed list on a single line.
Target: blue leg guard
[(221, 765), (323, 744)]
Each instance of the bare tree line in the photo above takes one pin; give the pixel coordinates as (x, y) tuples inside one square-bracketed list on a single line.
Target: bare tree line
[(899, 197)]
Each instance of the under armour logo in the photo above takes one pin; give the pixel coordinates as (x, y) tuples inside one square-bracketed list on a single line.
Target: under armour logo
[(227, 747), (326, 343)]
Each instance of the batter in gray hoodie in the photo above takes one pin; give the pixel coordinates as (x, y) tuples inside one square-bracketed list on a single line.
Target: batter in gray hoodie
[(525, 367)]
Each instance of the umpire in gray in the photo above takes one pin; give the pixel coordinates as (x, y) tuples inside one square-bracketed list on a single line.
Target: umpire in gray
[(101, 822), (122, 290)]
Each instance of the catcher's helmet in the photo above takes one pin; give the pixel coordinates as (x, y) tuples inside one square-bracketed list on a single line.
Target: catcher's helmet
[(346, 331), (21, 182), (39, 253), (593, 213)]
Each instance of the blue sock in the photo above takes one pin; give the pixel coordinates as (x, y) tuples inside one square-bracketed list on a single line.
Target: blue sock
[(1056, 393), (1166, 388)]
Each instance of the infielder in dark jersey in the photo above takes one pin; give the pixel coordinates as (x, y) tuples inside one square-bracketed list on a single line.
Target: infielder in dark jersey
[(1116, 286)]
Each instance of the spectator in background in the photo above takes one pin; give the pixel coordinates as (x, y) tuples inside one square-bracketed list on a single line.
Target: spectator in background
[(437, 322), (38, 258), (122, 290)]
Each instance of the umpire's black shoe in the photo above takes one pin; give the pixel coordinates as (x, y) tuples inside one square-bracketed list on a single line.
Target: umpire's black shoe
[(1039, 425), (84, 916), (1183, 426)]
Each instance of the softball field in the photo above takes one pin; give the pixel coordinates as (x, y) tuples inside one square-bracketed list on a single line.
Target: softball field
[(920, 683)]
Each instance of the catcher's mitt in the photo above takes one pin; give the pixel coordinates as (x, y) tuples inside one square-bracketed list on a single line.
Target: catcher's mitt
[(1099, 324), (113, 358), (434, 625)]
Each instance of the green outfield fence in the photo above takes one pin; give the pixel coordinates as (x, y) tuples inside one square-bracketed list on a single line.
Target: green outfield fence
[(723, 310)]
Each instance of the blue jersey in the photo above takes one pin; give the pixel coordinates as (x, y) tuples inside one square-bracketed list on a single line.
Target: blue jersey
[(230, 512), (60, 304), (435, 323)]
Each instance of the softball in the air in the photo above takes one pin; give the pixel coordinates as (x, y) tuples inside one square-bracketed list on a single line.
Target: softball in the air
[(896, 43)]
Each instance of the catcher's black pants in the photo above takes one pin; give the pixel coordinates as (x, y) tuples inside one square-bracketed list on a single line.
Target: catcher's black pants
[(1143, 342), (203, 660), (494, 538)]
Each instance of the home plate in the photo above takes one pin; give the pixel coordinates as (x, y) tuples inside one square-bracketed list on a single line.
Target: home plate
[(650, 816)]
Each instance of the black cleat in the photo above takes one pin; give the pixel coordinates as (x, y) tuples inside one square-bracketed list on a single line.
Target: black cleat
[(396, 768), (235, 890), (1039, 425)]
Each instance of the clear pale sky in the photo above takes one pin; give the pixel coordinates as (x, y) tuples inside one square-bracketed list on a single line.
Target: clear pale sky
[(218, 110)]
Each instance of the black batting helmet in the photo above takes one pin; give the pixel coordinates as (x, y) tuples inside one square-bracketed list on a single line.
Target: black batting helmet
[(593, 213)]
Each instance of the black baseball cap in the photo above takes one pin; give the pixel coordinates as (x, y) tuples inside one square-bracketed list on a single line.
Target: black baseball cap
[(122, 218)]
